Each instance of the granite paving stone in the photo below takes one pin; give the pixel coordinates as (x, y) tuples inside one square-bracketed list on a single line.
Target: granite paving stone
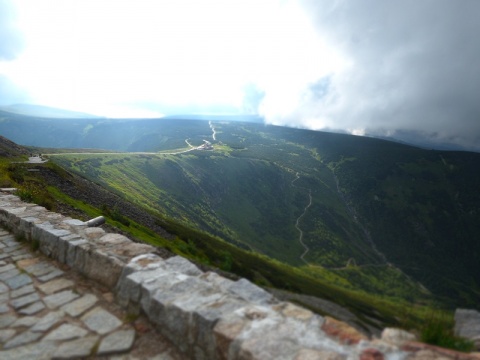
[(37, 351), (24, 300), (23, 338), (9, 243), (58, 299), (6, 320), (11, 248), (3, 288), (22, 291), (27, 321), (7, 268), (101, 321), (118, 341), (23, 264), (66, 332), (55, 286), (20, 251), (9, 274), (18, 281), (21, 257), (39, 269), (6, 334), (4, 308), (79, 306), (51, 275), (32, 309), (48, 321), (76, 348)]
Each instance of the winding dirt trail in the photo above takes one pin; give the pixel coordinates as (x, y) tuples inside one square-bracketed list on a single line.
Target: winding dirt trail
[(297, 223), (214, 133)]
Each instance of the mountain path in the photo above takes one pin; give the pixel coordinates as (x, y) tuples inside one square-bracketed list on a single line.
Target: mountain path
[(214, 133), (297, 223)]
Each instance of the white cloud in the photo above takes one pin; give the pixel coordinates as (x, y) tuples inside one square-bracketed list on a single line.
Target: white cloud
[(90, 54)]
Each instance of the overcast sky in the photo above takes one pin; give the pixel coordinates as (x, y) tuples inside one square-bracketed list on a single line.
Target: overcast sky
[(370, 66)]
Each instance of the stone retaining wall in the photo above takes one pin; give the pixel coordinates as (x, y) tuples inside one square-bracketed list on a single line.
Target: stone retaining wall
[(205, 315)]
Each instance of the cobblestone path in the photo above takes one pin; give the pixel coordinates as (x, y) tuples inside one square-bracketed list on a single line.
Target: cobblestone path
[(47, 311)]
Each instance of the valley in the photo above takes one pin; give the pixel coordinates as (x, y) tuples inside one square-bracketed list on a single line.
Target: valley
[(369, 215), (248, 191)]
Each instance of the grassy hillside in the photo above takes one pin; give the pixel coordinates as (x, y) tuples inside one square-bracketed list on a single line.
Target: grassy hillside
[(247, 201), (386, 217), (58, 190)]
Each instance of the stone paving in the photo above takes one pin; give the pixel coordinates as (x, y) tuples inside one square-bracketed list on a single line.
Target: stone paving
[(48, 311)]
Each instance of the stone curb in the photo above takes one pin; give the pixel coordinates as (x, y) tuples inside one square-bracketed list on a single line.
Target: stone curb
[(205, 315)]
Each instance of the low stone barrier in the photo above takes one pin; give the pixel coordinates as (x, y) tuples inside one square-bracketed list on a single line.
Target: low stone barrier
[(205, 315)]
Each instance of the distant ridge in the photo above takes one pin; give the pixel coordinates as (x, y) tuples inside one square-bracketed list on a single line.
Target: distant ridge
[(218, 117), (46, 112)]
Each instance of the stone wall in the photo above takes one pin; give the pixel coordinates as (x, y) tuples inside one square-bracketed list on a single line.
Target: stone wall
[(205, 315)]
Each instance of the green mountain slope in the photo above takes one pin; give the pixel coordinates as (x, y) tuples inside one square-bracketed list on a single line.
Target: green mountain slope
[(380, 215), (58, 190)]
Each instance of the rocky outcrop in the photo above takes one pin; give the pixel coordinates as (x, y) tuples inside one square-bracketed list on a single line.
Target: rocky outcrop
[(204, 314)]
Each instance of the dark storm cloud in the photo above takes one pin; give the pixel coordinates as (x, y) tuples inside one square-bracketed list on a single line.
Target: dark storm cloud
[(11, 42), (414, 65)]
